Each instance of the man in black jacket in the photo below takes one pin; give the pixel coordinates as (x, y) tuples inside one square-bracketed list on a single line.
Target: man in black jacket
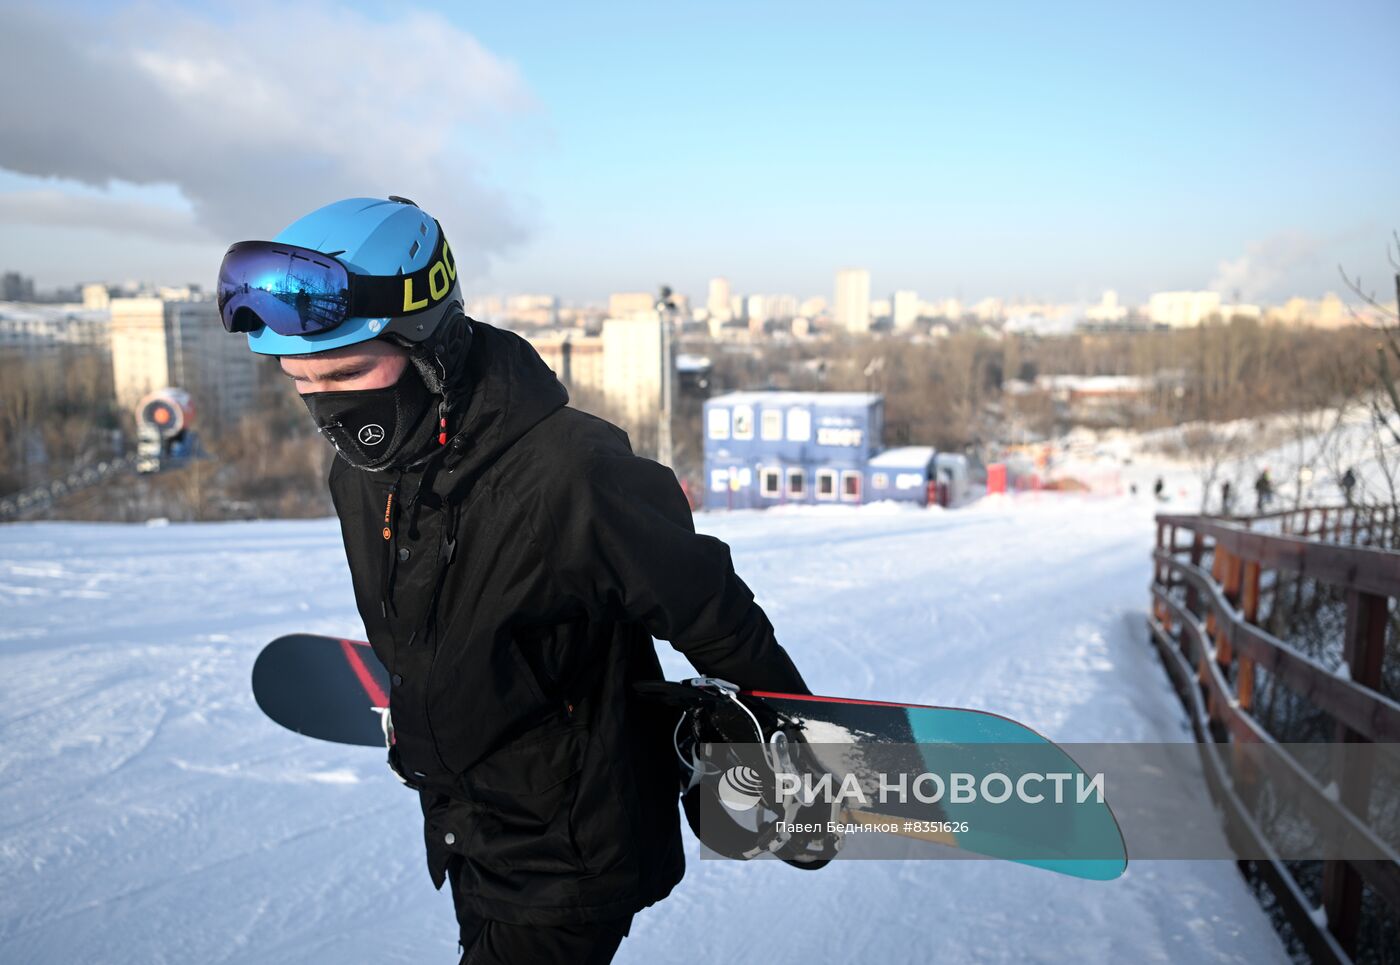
[(512, 560)]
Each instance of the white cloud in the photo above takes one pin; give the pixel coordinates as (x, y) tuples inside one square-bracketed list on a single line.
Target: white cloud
[(1272, 268), (65, 210), (257, 114)]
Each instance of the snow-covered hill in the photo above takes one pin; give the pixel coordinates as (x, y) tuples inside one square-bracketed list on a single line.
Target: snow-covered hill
[(149, 813)]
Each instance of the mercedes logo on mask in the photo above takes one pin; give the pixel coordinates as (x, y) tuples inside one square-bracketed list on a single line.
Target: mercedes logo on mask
[(371, 435)]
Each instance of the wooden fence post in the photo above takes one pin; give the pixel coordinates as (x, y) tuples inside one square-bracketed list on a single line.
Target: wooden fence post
[(1171, 554), (1217, 576), (1217, 638), (1224, 649), (1246, 774), (1198, 548), (1363, 650), (1156, 564), (1245, 685)]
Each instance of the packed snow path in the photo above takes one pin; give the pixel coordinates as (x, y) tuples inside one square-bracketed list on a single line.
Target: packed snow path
[(149, 813)]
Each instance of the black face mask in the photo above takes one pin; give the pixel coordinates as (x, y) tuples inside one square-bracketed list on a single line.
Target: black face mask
[(391, 427)]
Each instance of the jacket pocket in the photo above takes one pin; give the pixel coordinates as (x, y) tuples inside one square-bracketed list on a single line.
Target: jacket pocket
[(523, 794)]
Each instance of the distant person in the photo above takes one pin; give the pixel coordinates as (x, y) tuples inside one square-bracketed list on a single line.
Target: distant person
[(1227, 498), (512, 560), (302, 304), (1158, 486), (1348, 484), (1263, 491)]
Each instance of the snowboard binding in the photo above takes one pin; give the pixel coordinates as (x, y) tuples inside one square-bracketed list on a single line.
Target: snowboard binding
[(733, 759)]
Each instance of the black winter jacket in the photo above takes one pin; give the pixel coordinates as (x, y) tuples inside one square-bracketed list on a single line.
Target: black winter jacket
[(512, 589)]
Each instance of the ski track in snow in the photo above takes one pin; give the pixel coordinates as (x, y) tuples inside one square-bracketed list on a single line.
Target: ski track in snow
[(150, 813)]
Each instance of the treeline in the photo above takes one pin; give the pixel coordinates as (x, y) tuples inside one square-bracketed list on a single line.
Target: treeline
[(58, 413), (953, 392), (56, 410), (1234, 370)]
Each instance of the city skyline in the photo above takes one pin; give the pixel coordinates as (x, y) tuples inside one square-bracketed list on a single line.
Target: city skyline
[(854, 307), (1051, 156)]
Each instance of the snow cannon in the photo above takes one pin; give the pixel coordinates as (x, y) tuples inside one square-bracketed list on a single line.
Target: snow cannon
[(167, 411), (163, 429)]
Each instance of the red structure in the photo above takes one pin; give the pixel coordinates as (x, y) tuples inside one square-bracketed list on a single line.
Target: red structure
[(996, 478)]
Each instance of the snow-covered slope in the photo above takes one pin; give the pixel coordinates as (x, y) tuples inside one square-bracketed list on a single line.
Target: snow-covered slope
[(149, 813)]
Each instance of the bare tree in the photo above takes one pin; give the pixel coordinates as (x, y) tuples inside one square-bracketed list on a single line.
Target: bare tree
[(1211, 449), (1384, 404)]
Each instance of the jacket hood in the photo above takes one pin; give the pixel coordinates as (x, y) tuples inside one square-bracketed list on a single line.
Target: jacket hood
[(510, 391)]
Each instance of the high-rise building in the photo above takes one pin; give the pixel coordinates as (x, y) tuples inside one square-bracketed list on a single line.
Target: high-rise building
[(631, 304), (718, 300), (782, 307), (904, 309), (490, 309), (536, 310), (577, 359), (1236, 310), (140, 349), (1108, 309), (756, 311), (632, 367), (851, 307), (989, 309), (1182, 309), (30, 328), (159, 342), (15, 287), (1327, 312), (760, 309), (96, 297)]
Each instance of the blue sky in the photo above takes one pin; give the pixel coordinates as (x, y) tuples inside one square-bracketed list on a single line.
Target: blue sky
[(972, 149)]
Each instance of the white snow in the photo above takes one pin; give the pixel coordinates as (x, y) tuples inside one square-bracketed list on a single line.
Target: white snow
[(1306, 456), (903, 457), (781, 398), (149, 813)]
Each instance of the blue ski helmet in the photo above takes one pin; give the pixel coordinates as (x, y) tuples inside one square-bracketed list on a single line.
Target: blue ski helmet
[(397, 245)]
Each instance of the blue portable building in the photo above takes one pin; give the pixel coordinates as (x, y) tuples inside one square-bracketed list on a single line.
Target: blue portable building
[(770, 448), (902, 474)]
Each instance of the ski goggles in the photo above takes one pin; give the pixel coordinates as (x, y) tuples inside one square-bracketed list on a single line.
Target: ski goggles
[(300, 291)]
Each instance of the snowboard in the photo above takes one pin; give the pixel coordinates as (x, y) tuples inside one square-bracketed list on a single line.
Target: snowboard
[(738, 809), (754, 761), (323, 687)]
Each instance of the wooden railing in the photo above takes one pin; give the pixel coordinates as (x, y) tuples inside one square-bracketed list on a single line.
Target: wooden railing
[(1207, 625), (1376, 526)]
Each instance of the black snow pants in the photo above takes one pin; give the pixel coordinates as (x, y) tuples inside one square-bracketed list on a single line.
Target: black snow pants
[(486, 942), (499, 943)]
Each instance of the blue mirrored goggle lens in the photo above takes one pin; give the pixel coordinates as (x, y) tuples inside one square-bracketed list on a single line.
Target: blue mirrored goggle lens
[(291, 290)]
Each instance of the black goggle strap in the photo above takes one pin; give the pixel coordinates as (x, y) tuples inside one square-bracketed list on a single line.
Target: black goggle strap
[(392, 296)]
